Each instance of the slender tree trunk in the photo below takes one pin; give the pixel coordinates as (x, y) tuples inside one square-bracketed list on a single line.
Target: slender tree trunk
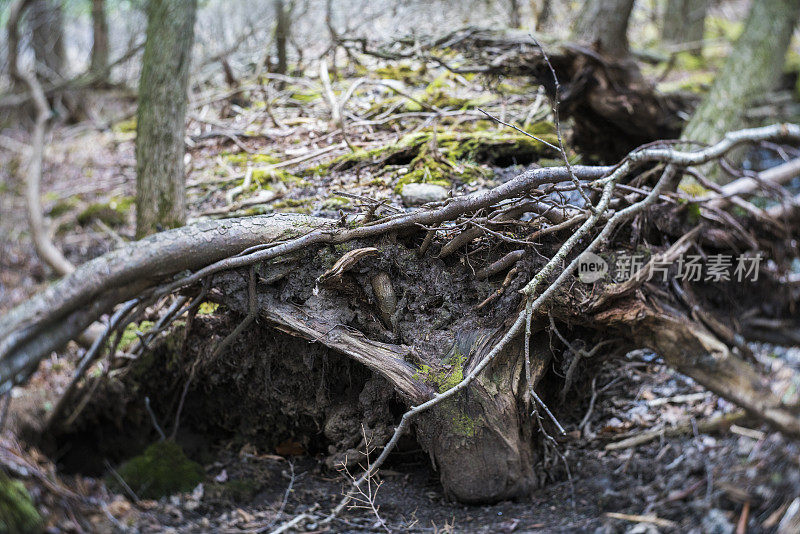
[(47, 36), (752, 69), (160, 187), (281, 35), (543, 13), (515, 19), (684, 22), (604, 25), (99, 66)]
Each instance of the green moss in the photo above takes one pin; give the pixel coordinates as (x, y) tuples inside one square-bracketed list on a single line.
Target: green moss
[(451, 409), (64, 206), (721, 27), (431, 174), (495, 146), (361, 156), (305, 96), (509, 88), (163, 469), (689, 61), (693, 189), (243, 158), (114, 213), (131, 334), (464, 425), (402, 71), (445, 379), (335, 203), (447, 156), (126, 126), (294, 205), (17, 511), (207, 308), (263, 177)]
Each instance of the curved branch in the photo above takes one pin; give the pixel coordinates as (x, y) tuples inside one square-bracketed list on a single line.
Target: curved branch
[(45, 248)]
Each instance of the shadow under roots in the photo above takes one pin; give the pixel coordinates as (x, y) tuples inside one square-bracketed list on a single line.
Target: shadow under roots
[(269, 390)]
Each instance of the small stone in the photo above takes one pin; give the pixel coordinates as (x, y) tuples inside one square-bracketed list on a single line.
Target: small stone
[(418, 194), (716, 522)]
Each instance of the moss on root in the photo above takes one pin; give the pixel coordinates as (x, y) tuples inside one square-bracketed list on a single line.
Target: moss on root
[(444, 379), (163, 469), (17, 511)]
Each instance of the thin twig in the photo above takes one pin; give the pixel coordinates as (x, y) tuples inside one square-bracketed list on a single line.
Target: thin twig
[(154, 419)]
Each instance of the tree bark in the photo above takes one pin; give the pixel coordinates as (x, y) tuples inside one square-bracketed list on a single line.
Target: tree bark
[(604, 25), (99, 65), (684, 23), (281, 35), (752, 69), (160, 187), (47, 37)]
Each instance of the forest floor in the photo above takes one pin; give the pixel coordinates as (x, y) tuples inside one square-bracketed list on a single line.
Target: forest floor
[(272, 147)]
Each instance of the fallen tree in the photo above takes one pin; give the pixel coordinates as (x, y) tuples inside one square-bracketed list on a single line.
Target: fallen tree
[(454, 305)]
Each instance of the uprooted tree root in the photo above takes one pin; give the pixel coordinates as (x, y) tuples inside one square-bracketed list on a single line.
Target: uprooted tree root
[(459, 308)]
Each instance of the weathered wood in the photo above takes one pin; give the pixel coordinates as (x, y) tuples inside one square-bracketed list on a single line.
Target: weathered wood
[(692, 349)]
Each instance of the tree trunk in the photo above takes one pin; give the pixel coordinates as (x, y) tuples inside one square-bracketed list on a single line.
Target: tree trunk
[(281, 35), (514, 17), (160, 187), (99, 65), (604, 25), (752, 69), (47, 37), (684, 22), (543, 14)]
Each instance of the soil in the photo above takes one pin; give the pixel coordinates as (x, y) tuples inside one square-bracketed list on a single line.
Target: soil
[(698, 482)]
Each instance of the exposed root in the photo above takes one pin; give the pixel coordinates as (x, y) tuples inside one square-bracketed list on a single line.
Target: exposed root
[(348, 303)]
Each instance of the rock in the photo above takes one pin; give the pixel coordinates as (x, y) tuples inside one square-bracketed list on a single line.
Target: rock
[(716, 522), (418, 194)]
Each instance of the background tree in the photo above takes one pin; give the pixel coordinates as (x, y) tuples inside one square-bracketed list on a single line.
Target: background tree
[(46, 20), (160, 187), (99, 65), (281, 35), (752, 68), (684, 22), (514, 16), (543, 12), (604, 24)]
